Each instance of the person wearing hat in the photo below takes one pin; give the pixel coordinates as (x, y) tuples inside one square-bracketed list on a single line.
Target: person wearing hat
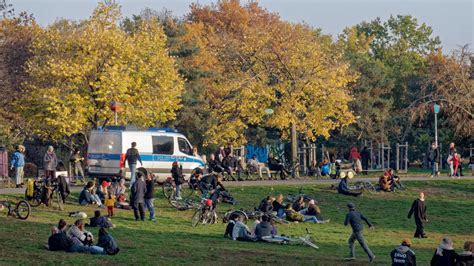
[(355, 218), (418, 210), (403, 255), (17, 164)]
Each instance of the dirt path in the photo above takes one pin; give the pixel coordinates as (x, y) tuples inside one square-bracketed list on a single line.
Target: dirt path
[(302, 181)]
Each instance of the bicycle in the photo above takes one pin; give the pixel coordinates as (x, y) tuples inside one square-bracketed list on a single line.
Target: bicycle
[(46, 193), (22, 209), (252, 215), (184, 204), (293, 197), (363, 185), (204, 215), (187, 188), (302, 240)]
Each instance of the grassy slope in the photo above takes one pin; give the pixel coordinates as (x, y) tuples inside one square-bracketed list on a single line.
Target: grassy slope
[(173, 241)]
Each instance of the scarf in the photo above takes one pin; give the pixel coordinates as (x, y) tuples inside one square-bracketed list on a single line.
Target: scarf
[(446, 244)]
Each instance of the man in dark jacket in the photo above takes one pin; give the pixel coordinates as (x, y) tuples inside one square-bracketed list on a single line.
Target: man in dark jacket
[(365, 155), (434, 159), (138, 198), (343, 188), (264, 228), (266, 205), (132, 157), (418, 209), (403, 255), (355, 218)]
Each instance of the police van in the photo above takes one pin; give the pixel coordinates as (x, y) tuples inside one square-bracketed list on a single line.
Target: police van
[(158, 148)]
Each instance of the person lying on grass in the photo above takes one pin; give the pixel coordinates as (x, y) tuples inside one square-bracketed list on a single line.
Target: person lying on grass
[(294, 216), (82, 237), (241, 231), (60, 241), (100, 221)]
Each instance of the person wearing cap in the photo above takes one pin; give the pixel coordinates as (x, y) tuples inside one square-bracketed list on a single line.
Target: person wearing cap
[(403, 255), (418, 210), (17, 163), (50, 162), (355, 218)]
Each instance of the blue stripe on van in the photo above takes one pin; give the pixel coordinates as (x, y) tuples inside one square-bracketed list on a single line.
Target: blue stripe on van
[(146, 157)]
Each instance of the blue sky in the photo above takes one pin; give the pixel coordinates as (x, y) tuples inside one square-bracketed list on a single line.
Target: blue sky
[(451, 20)]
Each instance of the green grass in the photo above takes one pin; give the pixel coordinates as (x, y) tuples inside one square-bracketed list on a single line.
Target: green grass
[(172, 240)]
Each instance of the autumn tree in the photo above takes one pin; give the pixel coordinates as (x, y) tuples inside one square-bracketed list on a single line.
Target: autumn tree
[(257, 63), (78, 69)]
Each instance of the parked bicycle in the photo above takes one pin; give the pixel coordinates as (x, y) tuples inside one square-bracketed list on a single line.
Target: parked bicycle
[(21, 209), (187, 188), (45, 192), (302, 240), (290, 197), (184, 204), (252, 215), (206, 214), (363, 185)]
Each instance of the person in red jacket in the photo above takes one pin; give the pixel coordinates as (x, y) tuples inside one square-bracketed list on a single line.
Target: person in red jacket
[(355, 157)]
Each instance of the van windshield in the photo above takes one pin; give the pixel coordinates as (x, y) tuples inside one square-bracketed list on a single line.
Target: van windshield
[(104, 143), (184, 146)]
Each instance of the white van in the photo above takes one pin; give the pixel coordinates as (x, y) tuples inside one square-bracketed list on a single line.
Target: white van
[(158, 148)]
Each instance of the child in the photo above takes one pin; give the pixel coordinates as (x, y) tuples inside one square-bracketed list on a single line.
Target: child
[(110, 203)]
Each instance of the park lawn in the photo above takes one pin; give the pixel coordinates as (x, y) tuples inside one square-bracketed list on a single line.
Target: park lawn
[(172, 240)]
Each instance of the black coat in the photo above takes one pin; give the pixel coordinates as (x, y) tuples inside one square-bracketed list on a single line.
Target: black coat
[(403, 256), (448, 258), (177, 175), (150, 189), (418, 209), (138, 191)]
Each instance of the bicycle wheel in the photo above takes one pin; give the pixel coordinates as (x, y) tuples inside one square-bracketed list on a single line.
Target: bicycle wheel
[(60, 201), (187, 190), (168, 189), (241, 214), (197, 217), (34, 201), (23, 209)]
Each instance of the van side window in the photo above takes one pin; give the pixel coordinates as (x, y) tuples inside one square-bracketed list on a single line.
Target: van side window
[(184, 146), (162, 145)]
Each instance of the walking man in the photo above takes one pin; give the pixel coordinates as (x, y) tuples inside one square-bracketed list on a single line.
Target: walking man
[(138, 198), (354, 218), (434, 159), (17, 163), (450, 158), (132, 157), (150, 190), (418, 209)]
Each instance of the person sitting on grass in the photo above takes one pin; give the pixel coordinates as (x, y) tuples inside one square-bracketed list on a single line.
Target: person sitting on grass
[(444, 254), (313, 210), (298, 205), (230, 226), (257, 221), (100, 221), (384, 182), (241, 231), (107, 242), (394, 180), (81, 237), (278, 207), (343, 188), (466, 258), (266, 205), (325, 167), (294, 216), (403, 255), (264, 228), (59, 241), (88, 196)]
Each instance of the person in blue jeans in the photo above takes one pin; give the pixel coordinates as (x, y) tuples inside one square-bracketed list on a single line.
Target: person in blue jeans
[(88, 196), (150, 190), (434, 159), (355, 218), (132, 157), (17, 163)]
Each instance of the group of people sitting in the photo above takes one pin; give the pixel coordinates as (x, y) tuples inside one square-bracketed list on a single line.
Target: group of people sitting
[(388, 182), (104, 195), (75, 238), (237, 230), (211, 187)]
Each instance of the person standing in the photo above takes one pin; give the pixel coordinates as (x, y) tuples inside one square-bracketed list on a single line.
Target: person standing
[(355, 157), (50, 162), (76, 160), (418, 210), (434, 159), (177, 175), (17, 163), (138, 198), (403, 255), (132, 157), (150, 190), (365, 155), (355, 218), (450, 158)]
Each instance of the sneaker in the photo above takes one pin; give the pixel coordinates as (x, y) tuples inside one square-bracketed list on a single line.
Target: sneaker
[(153, 220), (371, 259), (349, 258)]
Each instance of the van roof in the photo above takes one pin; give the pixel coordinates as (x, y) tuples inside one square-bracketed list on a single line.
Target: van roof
[(141, 131)]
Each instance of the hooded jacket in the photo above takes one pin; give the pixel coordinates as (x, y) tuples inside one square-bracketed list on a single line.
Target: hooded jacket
[(403, 256)]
